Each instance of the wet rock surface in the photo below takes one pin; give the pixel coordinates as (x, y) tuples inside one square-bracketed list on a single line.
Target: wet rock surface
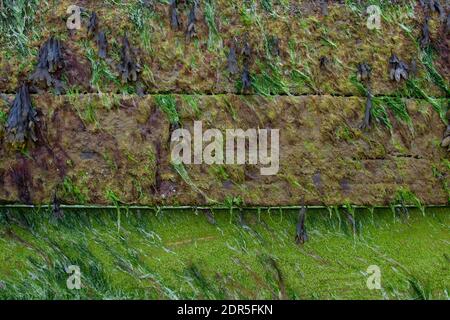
[(125, 150), (175, 65)]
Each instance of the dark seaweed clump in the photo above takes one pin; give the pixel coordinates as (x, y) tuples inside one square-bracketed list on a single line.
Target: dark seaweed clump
[(102, 44), (351, 221), (210, 217), (128, 67), (246, 79), (368, 112), (434, 6), (93, 24), (232, 64), (364, 72), (274, 46), (324, 63), (100, 37), (50, 61), (22, 120), (324, 7), (425, 38), (301, 235), (247, 51), (190, 31), (413, 68), (21, 178), (149, 4), (173, 15), (398, 69), (447, 25), (446, 140), (56, 207)]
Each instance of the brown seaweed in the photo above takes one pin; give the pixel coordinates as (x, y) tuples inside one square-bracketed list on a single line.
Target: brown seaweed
[(232, 64), (433, 6), (413, 68), (446, 139), (191, 31), (402, 210), (368, 112), (301, 235), (241, 221), (425, 37), (324, 7), (158, 179), (351, 220), (57, 212), (447, 25), (128, 67), (246, 80), (364, 72), (210, 217), (398, 69), (173, 14), (149, 4), (246, 50), (324, 63), (55, 59), (274, 46), (102, 44), (22, 120), (21, 177), (93, 24), (50, 61)]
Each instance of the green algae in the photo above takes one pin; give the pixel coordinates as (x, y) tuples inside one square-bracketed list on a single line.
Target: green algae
[(16, 18), (168, 105), (179, 254)]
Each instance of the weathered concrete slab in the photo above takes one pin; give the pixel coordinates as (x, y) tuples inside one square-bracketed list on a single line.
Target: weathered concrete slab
[(288, 44), (102, 150)]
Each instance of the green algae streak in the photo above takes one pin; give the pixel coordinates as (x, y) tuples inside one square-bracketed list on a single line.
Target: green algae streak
[(182, 255)]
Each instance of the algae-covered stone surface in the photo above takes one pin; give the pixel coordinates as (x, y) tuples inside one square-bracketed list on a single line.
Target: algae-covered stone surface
[(110, 91), (103, 149), (182, 255), (294, 48)]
